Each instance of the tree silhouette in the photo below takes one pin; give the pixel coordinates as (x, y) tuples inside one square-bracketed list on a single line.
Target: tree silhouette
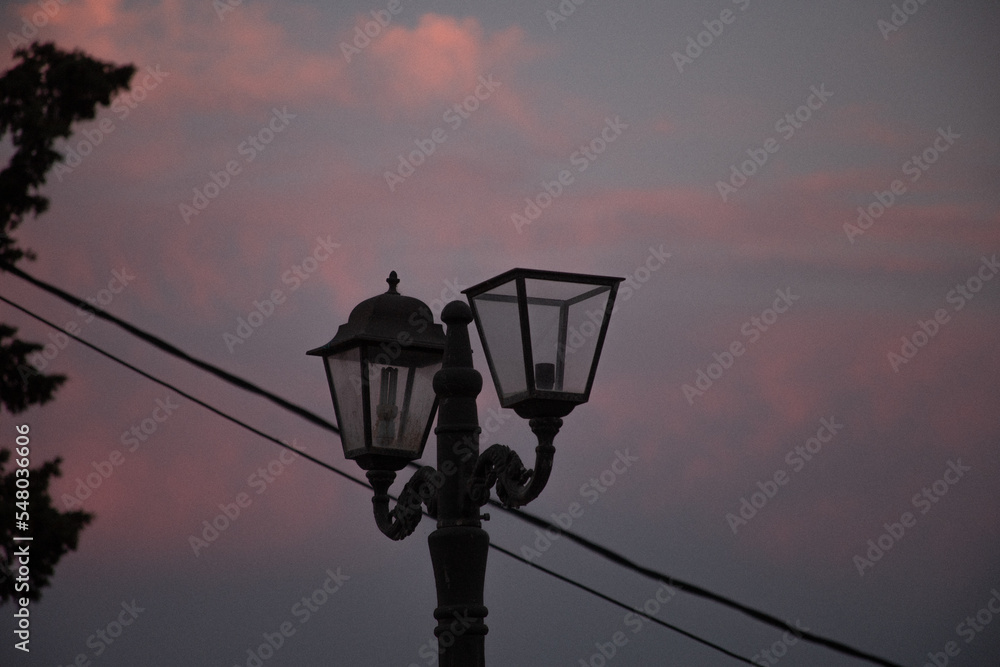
[(40, 100), (53, 533)]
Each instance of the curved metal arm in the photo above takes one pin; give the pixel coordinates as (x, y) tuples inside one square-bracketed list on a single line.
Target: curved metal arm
[(500, 465), (404, 517)]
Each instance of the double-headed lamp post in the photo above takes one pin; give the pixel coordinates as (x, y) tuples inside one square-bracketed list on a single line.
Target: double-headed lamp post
[(390, 367)]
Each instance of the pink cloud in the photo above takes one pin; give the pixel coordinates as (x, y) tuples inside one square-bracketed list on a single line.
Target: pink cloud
[(238, 63), (249, 58), (439, 59), (442, 61)]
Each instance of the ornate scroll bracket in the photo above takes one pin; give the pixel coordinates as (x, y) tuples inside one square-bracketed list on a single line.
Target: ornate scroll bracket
[(405, 516), (501, 466)]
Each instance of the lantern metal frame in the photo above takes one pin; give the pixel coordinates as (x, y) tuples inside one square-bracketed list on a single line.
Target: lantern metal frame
[(544, 398)]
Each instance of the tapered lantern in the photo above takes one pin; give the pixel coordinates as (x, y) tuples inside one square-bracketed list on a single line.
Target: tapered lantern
[(542, 332)]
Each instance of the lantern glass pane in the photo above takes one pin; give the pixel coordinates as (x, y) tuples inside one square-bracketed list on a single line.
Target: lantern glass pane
[(565, 321), (402, 400), (546, 333), (585, 319), (344, 374), (500, 329)]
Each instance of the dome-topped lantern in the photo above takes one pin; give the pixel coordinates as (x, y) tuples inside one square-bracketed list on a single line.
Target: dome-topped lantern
[(381, 367)]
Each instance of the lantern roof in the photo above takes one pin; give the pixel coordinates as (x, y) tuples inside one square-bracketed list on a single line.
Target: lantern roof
[(388, 317)]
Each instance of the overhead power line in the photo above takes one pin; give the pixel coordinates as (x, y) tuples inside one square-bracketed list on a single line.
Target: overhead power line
[(158, 342), (608, 598), (603, 551), (193, 399), (698, 591)]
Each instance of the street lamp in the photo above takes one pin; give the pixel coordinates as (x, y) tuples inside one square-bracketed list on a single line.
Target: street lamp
[(390, 368), (380, 367)]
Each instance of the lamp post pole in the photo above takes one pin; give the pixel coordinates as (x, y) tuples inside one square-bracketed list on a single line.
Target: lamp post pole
[(459, 545)]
